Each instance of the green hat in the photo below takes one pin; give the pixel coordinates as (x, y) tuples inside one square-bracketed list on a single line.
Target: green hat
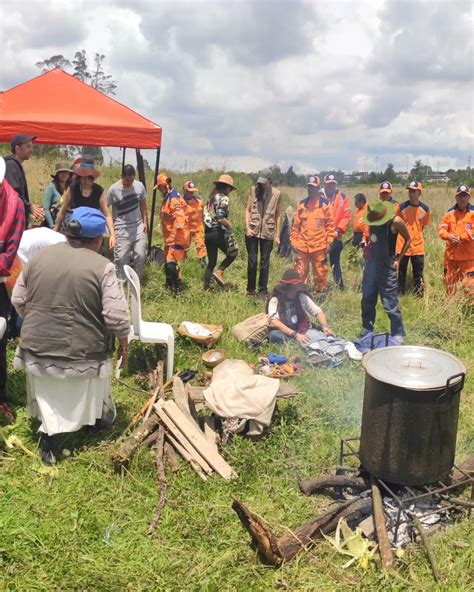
[(61, 167), (378, 212)]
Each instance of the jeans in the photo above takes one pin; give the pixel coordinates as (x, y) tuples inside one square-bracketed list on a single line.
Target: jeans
[(4, 309), (335, 262), (278, 337), (266, 245), (130, 249), (214, 239), (417, 265), (380, 279)]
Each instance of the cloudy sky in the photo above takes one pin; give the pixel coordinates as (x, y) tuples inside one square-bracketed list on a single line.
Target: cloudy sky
[(243, 84)]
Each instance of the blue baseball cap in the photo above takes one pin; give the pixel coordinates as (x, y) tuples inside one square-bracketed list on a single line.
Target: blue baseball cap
[(87, 222)]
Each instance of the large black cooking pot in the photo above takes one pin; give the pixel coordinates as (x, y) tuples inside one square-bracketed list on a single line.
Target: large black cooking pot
[(410, 414)]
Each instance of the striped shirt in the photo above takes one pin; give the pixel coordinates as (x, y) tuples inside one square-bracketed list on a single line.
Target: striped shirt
[(125, 202)]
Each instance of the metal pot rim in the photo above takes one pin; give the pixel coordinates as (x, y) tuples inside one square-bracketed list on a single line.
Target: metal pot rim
[(413, 367)]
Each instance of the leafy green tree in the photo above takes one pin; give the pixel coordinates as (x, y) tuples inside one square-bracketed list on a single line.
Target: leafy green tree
[(81, 70), (390, 174)]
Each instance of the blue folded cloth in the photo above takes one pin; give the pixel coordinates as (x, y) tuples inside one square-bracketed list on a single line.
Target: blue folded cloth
[(276, 359)]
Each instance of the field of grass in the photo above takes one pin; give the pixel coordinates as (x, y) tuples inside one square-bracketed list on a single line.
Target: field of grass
[(85, 529)]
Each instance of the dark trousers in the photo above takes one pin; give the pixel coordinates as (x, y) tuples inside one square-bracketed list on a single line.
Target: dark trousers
[(381, 280), (214, 239), (417, 265), (4, 309), (253, 244), (335, 262)]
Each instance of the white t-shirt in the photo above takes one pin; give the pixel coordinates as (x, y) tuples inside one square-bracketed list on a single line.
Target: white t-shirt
[(309, 306), (36, 239)]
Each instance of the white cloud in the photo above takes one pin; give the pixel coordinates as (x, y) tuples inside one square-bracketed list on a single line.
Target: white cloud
[(243, 84)]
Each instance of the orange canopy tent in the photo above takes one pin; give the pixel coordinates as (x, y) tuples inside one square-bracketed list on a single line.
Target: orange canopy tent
[(60, 109)]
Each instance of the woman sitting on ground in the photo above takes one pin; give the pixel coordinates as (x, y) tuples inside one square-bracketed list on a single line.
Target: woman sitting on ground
[(288, 309)]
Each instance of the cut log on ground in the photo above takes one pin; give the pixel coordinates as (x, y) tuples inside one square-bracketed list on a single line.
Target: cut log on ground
[(311, 486), (161, 478), (275, 551), (128, 445), (385, 549)]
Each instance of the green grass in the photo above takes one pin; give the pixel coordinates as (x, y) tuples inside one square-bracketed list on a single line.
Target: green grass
[(85, 530)]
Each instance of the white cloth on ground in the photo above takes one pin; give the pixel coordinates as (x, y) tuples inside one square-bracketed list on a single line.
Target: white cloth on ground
[(196, 330), (65, 405), (236, 392)]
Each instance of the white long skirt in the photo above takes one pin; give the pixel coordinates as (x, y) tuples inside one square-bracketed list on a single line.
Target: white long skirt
[(67, 404)]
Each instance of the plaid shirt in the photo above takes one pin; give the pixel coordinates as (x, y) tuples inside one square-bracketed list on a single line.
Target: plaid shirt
[(12, 241)]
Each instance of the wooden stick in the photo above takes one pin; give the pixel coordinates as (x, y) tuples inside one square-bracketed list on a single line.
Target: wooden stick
[(152, 401), (185, 454), (380, 526), (180, 397), (429, 549), (161, 478), (127, 446), (172, 458), (310, 486)]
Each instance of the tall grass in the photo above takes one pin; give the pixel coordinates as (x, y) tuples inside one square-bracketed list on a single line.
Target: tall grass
[(85, 530)]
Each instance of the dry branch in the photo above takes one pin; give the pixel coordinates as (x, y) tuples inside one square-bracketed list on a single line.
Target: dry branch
[(381, 527), (127, 446), (310, 486), (275, 550), (161, 478)]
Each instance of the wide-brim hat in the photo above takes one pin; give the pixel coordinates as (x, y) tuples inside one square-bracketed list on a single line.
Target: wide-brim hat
[(61, 167), (291, 284), (226, 180), (378, 212), (87, 168)]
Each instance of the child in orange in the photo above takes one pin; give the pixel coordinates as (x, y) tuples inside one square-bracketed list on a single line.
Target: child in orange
[(457, 229), (312, 234), (416, 216), (195, 212)]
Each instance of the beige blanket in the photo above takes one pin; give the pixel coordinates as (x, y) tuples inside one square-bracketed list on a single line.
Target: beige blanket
[(237, 394)]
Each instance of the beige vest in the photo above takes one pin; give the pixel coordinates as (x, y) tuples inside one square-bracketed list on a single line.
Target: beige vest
[(63, 314), (264, 226)]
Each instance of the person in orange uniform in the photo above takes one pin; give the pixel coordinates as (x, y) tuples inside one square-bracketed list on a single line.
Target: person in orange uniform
[(174, 225), (416, 216), (385, 194), (312, 234), (360, 228), (195, 212), (457, 229), (341, 212)]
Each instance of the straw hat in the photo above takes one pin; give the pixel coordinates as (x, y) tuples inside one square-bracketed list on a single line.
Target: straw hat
[(61, 167), (227, 180)]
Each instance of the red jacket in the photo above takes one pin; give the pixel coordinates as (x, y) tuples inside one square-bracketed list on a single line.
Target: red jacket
[(341, 211)]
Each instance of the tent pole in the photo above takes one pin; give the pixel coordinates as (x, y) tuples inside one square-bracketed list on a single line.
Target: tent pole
[(153, 201), (140, 167), (123, 158)]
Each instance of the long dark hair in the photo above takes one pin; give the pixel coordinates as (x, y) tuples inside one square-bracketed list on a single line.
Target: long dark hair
[(57, 183)]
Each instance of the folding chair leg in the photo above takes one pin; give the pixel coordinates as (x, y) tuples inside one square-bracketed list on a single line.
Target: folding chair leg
[(170, 358)]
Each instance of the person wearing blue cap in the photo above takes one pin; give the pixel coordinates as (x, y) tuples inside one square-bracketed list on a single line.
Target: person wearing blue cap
[(72, 306)]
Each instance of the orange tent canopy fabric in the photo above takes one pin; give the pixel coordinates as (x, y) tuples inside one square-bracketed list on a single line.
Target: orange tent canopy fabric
[(60, 109)]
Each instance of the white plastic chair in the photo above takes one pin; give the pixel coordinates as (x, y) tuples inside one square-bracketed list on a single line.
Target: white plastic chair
[(146, 331)]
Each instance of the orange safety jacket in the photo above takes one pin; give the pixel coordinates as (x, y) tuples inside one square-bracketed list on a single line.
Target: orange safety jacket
[(415, 218), (341, 211), (313, 226), (461, 223), (359, 225), (195, 213), (174, 220)]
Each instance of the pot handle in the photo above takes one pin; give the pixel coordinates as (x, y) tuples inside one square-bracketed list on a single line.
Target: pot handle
[(372, 339), (449, 386)]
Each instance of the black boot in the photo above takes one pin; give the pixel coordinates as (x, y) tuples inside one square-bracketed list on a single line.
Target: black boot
[(49, 448)]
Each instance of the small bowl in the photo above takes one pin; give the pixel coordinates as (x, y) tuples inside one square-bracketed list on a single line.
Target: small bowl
[(213, 357)]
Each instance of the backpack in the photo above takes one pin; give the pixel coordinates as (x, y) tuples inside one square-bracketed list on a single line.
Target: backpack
[(252, 330)]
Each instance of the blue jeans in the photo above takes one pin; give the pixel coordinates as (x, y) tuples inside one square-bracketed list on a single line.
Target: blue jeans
[(278, 337), (380, 279), (335, 262)]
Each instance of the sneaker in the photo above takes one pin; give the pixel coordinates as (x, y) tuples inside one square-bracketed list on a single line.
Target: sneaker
[(49, 449), (219, 277), (251, 293), (397, 340)]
